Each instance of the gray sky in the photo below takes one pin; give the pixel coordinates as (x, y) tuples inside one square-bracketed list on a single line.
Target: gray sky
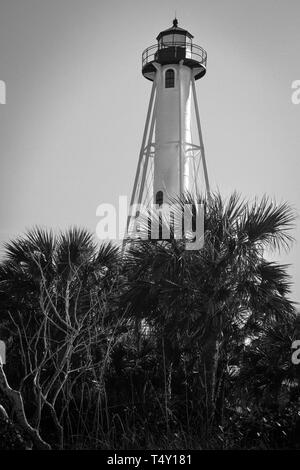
[(76, 103)]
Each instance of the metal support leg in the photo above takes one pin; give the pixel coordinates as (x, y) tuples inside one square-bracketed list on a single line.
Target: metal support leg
[(147, 155), (201, 139), (142, 150)]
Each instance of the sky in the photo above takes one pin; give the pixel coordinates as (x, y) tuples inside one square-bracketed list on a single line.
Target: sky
[(76, 103)]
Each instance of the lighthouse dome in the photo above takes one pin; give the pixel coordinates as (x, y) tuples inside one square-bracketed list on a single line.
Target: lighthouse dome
[(174, 45), (174, 35)]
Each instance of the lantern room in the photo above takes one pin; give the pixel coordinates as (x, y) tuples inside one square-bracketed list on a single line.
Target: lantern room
[(174, 45), (174, 35)]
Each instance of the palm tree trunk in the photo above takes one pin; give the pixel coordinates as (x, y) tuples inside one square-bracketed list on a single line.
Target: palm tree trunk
[(211, 363)]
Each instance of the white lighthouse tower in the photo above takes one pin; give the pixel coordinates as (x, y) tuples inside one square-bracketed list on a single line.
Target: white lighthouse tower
[(170, 161)]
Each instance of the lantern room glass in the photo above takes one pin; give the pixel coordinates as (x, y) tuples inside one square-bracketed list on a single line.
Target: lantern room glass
[(174, 39)]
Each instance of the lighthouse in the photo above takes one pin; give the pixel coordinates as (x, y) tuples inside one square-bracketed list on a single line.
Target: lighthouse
[(171, 162)]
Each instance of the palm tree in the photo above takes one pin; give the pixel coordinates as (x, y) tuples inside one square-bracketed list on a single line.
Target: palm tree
[(267, 367), (41, 259), (54, 297), (199, 300), (188, 314)]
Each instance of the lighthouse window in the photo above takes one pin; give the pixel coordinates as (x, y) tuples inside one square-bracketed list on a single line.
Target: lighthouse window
[(159, 198), (170, 78)]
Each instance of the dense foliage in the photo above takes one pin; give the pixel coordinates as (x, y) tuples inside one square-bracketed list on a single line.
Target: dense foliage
[(155, 346)]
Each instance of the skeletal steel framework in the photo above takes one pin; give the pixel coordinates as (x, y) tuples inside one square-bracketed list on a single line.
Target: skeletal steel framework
[(142, 194), (170, 162)]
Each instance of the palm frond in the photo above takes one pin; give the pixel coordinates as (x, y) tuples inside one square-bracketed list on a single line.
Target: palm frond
[(74, 248), (266, 223)]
